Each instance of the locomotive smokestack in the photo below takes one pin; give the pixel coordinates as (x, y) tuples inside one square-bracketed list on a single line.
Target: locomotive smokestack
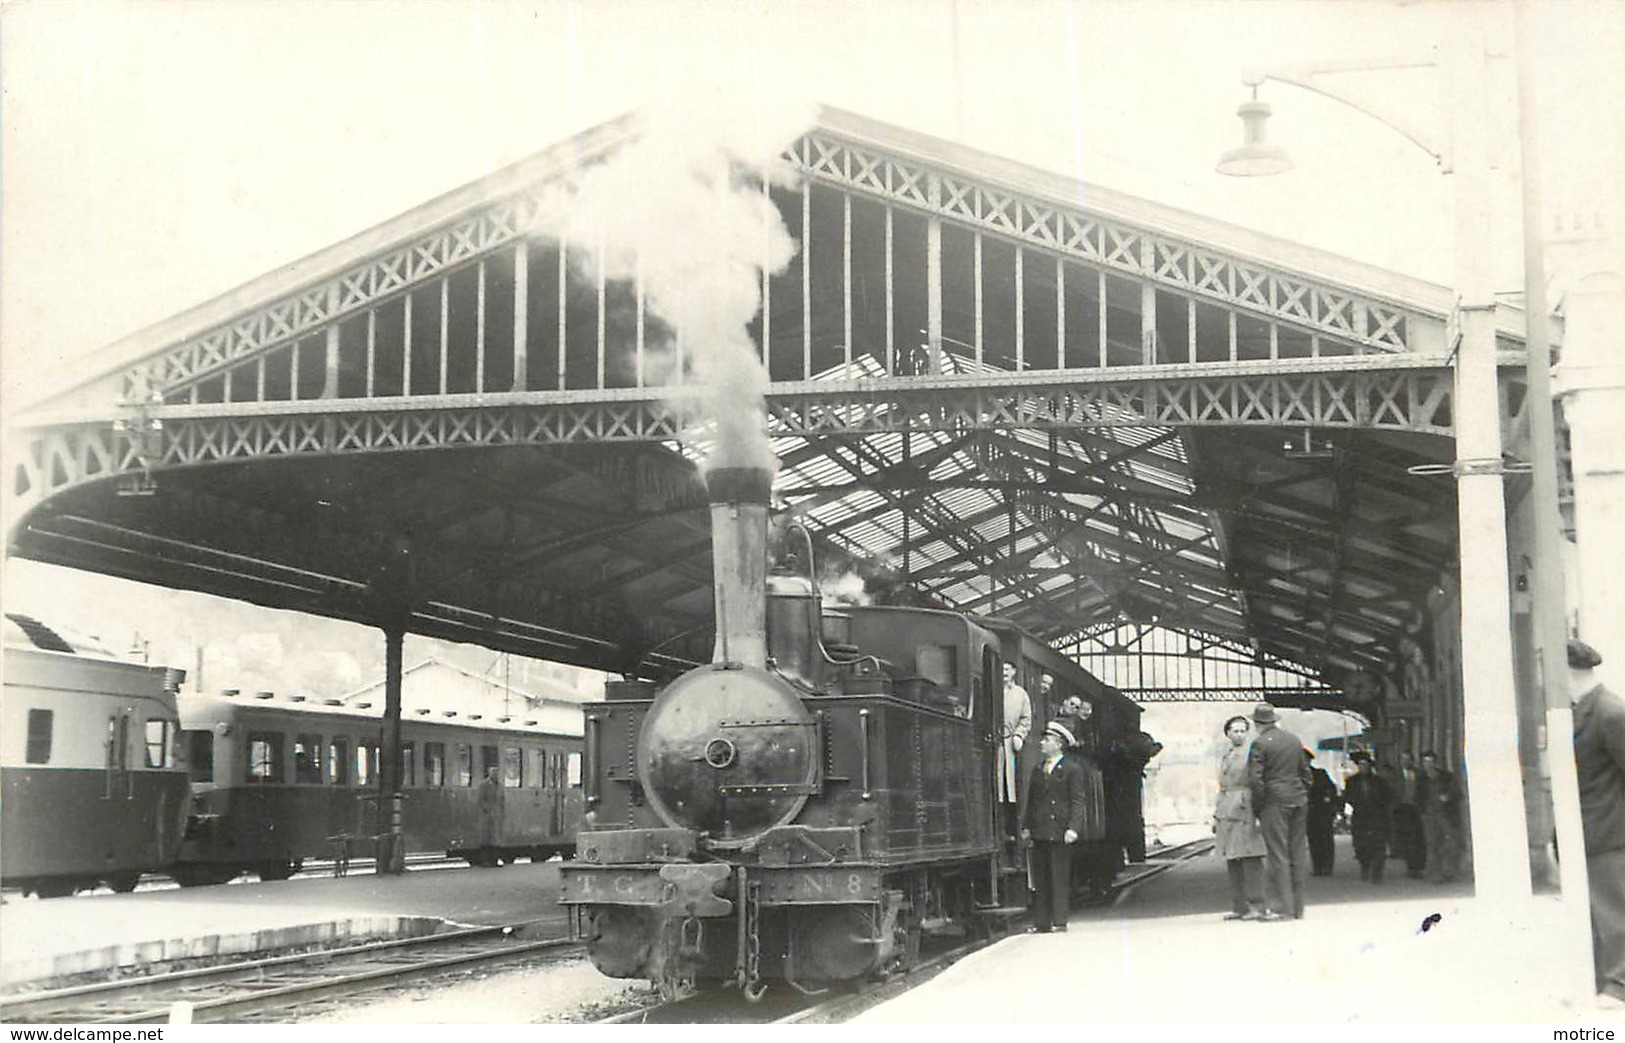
[(739, 497)]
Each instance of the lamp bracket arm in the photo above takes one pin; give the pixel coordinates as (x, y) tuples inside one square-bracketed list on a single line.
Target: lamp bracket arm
[(1308, 76)]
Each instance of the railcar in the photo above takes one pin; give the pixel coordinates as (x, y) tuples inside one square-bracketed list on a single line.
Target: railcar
[(809, 804), (281, 779), (93, 787)]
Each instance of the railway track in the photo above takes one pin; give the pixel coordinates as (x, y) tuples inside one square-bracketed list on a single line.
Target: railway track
[(786, 1007), (241, 990)]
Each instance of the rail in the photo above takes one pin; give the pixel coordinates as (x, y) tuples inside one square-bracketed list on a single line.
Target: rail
[(235, 990)]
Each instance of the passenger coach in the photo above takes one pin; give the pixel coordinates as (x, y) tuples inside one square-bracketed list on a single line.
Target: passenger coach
[(277, 780)]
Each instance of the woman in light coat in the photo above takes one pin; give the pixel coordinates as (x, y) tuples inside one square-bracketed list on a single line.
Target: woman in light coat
[(1237, 837)]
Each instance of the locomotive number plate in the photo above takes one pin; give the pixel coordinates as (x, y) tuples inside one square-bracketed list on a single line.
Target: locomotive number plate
[(824, 885)]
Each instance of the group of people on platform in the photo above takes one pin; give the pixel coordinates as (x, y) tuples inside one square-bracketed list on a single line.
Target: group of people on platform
[(1063, 801), (1272, 802), (1276, 813)]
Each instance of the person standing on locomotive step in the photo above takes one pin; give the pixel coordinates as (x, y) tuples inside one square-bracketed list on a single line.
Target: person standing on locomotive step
[(1018, 721), (1599, 760), (1236, 836), (1052, 818), (1278, 774)]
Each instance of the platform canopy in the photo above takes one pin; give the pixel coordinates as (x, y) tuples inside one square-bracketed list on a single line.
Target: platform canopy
[(990, 388)]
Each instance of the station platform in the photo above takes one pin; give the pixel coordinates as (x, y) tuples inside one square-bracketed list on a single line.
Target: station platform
[(1164, 954), (42, 941)]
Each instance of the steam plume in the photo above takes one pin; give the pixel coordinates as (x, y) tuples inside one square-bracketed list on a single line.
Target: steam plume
[(682, 208)]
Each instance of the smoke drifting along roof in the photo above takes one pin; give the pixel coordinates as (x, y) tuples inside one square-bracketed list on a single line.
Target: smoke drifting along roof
[(683, 210)]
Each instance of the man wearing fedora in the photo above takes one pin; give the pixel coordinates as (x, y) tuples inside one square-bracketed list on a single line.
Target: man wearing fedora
[(1599, 759), (1052, 821), (1278, 773)]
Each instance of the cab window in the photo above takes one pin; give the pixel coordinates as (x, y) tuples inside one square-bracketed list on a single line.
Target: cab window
[(40, 724), (158, 745)]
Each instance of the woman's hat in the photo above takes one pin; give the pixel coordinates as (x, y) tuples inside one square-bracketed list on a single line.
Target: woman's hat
[(1264, 713), (1060, 731)]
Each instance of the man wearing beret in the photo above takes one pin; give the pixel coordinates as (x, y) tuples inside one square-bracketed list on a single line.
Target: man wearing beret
[(1052, 819), (1278, 774), (1599, 757)]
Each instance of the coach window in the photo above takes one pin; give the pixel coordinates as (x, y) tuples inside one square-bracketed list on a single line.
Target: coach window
[(513, 768), (338, 762), (307, 759), (366, 762), (488, 760), (573, 770), (265, 757), (535, 767), (434, 764), (465, 765), (199, 755), (407, 774), (39, 736)]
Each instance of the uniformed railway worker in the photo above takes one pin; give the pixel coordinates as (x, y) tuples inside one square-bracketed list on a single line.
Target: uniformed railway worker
[(1052, 819), (1599, 755)]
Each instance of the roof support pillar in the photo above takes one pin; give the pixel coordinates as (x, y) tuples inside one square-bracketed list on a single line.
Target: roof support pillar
[(1490, 711), (391, 590), (330, 369), (521, 314), (933, 291), (392, 851)]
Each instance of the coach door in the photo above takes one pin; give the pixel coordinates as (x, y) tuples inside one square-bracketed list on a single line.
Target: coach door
[(120, 784)]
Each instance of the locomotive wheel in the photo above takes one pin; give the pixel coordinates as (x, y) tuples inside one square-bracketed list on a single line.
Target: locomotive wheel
[(124, 883)]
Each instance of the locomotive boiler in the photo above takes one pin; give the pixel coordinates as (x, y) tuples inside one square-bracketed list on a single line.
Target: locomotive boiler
[(805, 806)]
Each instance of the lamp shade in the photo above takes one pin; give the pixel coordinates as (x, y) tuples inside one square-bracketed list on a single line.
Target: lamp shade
[(1255, 156)]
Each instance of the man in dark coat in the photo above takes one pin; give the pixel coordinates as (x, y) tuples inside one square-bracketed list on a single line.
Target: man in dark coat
[(1370, 800), (1279, 776), (1599, 760), (1324, 803), (1052, 819)]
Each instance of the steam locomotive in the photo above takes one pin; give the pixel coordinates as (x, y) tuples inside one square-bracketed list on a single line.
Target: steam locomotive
[(809, 804)]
